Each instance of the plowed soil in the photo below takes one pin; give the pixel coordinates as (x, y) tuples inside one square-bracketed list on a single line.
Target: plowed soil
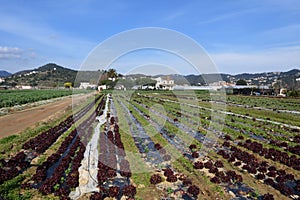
[(16, 123)]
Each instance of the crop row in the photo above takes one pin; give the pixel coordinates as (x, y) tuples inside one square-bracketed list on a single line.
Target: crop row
[(112, 162), (229, 177), (261, 170), (220, 177), (37, 145), (253, 132), (59, 173), (18, 97), (182, 186)]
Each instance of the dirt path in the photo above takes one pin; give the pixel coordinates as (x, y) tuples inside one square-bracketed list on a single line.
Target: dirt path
[(17, 122)]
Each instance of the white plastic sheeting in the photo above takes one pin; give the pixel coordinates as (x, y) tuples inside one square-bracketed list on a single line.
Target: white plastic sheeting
[(89, 165)]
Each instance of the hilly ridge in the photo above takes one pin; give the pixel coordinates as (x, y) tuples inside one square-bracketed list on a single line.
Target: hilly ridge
[(4, 74), (53, 75), (49, 75)]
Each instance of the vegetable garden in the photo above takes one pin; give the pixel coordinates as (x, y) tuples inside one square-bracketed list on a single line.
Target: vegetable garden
[(11, 98), (150, 145)]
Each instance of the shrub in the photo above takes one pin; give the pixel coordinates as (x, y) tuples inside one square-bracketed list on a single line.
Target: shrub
[(155, 179)]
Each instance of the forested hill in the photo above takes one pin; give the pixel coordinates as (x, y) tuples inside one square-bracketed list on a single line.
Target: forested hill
[(4, 74), (51, 75)]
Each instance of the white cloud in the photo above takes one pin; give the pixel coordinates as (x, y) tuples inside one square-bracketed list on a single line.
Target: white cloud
[(42, 33), (274, 59), (228, 16), (174, 16), (284, 34), (16, 53), (50, 45), (9, 49), (289, 5), (10, 52)]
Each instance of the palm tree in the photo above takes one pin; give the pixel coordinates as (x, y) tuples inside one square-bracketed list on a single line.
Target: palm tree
[(112, 73)]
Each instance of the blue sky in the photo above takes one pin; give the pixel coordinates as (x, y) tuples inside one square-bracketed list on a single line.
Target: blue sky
[(239, 36)]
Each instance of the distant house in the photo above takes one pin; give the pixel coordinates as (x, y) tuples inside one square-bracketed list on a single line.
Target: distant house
[(2, 80), (164, 83), (4, 87), (24, 87), (112, 79), (30, 73), (147, 87), (143, 87), (87, 85), (192, 87), (102, 87), (136, 87), (283, 92), (119, 87), (218, 83)]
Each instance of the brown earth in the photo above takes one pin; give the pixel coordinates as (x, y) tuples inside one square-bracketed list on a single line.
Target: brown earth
[(16, 123)]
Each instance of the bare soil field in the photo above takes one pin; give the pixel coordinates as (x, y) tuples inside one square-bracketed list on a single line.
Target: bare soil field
[(17, 122)]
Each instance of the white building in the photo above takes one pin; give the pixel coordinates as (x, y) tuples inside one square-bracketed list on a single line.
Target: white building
[(24, 87), (190, 87), (218, 83), (30, 73), (164, 83), (283, 92), (102, 87), (112, 79), (86, 85), (119, 87)]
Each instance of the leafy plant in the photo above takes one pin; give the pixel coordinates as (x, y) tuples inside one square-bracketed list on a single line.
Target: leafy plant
[(169, 190)]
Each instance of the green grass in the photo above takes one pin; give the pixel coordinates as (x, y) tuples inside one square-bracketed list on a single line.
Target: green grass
[(287, 118), (180, 163), (18, 97), (10, 190), (13, 143), (8, 139), (132, 153)]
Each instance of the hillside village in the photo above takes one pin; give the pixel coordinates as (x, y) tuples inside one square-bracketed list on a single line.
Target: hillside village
[(54, 76)]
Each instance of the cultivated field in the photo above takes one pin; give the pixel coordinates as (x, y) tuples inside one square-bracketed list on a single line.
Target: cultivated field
[(159, 145), (9, 98)]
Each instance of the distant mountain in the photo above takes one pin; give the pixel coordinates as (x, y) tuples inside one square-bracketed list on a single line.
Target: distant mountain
[(206, 78), (291, 72), (281, 79), (53, 75), (267, 74), (288, 79), (4, 74), (49, 75)]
